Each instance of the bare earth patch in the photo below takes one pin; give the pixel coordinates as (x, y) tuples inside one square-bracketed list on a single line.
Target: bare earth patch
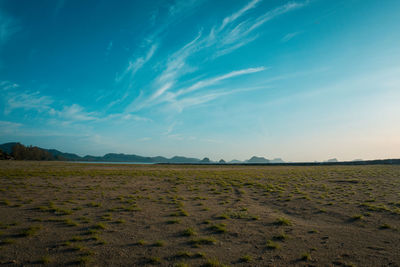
[(55, 213)]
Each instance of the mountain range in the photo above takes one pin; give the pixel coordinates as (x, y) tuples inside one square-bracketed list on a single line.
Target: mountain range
[(26, 152), (17, 151)]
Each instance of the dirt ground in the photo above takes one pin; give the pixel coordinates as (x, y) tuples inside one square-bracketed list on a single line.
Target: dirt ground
[(56, 213)]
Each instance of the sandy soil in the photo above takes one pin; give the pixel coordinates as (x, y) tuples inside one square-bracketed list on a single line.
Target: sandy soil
[(55, 213)]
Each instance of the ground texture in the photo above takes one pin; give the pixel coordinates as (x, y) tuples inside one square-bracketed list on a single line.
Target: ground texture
[(55, 213)]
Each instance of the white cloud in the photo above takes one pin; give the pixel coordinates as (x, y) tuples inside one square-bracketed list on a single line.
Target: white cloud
[(76, 113), (229, 36), (289, 36), (109, 47), (170, 128), (124, 117), (190, 101), (176, 64), (6, 85), (27, 100), (117, 101), (180, 6), (215, 80), (239, 35), (10, 124), (8, 127), (137, 64), (161, 90), (239, 13), (135, 117), (8, 27)]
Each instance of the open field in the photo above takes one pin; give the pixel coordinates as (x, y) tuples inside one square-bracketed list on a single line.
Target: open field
[(56, 213)]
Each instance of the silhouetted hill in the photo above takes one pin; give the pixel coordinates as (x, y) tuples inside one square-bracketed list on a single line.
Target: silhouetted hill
[(160, 159), (113, 157), (66, 156), (205, 160), (255, 159), (332, 160), (276, 160), (178, 159)]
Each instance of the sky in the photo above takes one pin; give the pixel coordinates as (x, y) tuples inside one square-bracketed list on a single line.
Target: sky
[(304, 80)]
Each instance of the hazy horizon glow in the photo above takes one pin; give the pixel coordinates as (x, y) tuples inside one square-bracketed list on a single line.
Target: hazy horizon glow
[(299, 80)]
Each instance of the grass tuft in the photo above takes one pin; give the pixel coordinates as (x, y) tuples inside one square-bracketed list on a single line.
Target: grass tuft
[(203, 241), (31, 231), (99, 226), (44, 260), (214, 263), (280, 237), (305, 257), (219, 228), (385, 226), (246, 258), (189, 232), (283, 222), (175, 221), (159, 243), (272, 245)]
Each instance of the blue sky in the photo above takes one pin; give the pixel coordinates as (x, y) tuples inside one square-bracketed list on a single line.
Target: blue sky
[(301, 80)]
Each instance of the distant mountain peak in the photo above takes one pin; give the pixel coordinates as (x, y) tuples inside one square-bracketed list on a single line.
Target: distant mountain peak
[(276, 160), (332, 160), (256, 159), (205, 160)]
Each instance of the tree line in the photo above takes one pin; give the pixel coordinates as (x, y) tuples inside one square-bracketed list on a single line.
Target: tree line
[(21, 152)]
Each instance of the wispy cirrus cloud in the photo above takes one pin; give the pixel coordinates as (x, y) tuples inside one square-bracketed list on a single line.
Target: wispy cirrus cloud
[(159, 96), (15, 98), (124, 117), (183, 103), (236, 15), (232, 33), (108, 49), (182, 5), (76, 113), (289, 36), (27, 100), (9, 127), (7, 86), (212, 81), (36, 101), (8, 27), (137, 64), (239, 34), (176, 65), (175, 10)]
